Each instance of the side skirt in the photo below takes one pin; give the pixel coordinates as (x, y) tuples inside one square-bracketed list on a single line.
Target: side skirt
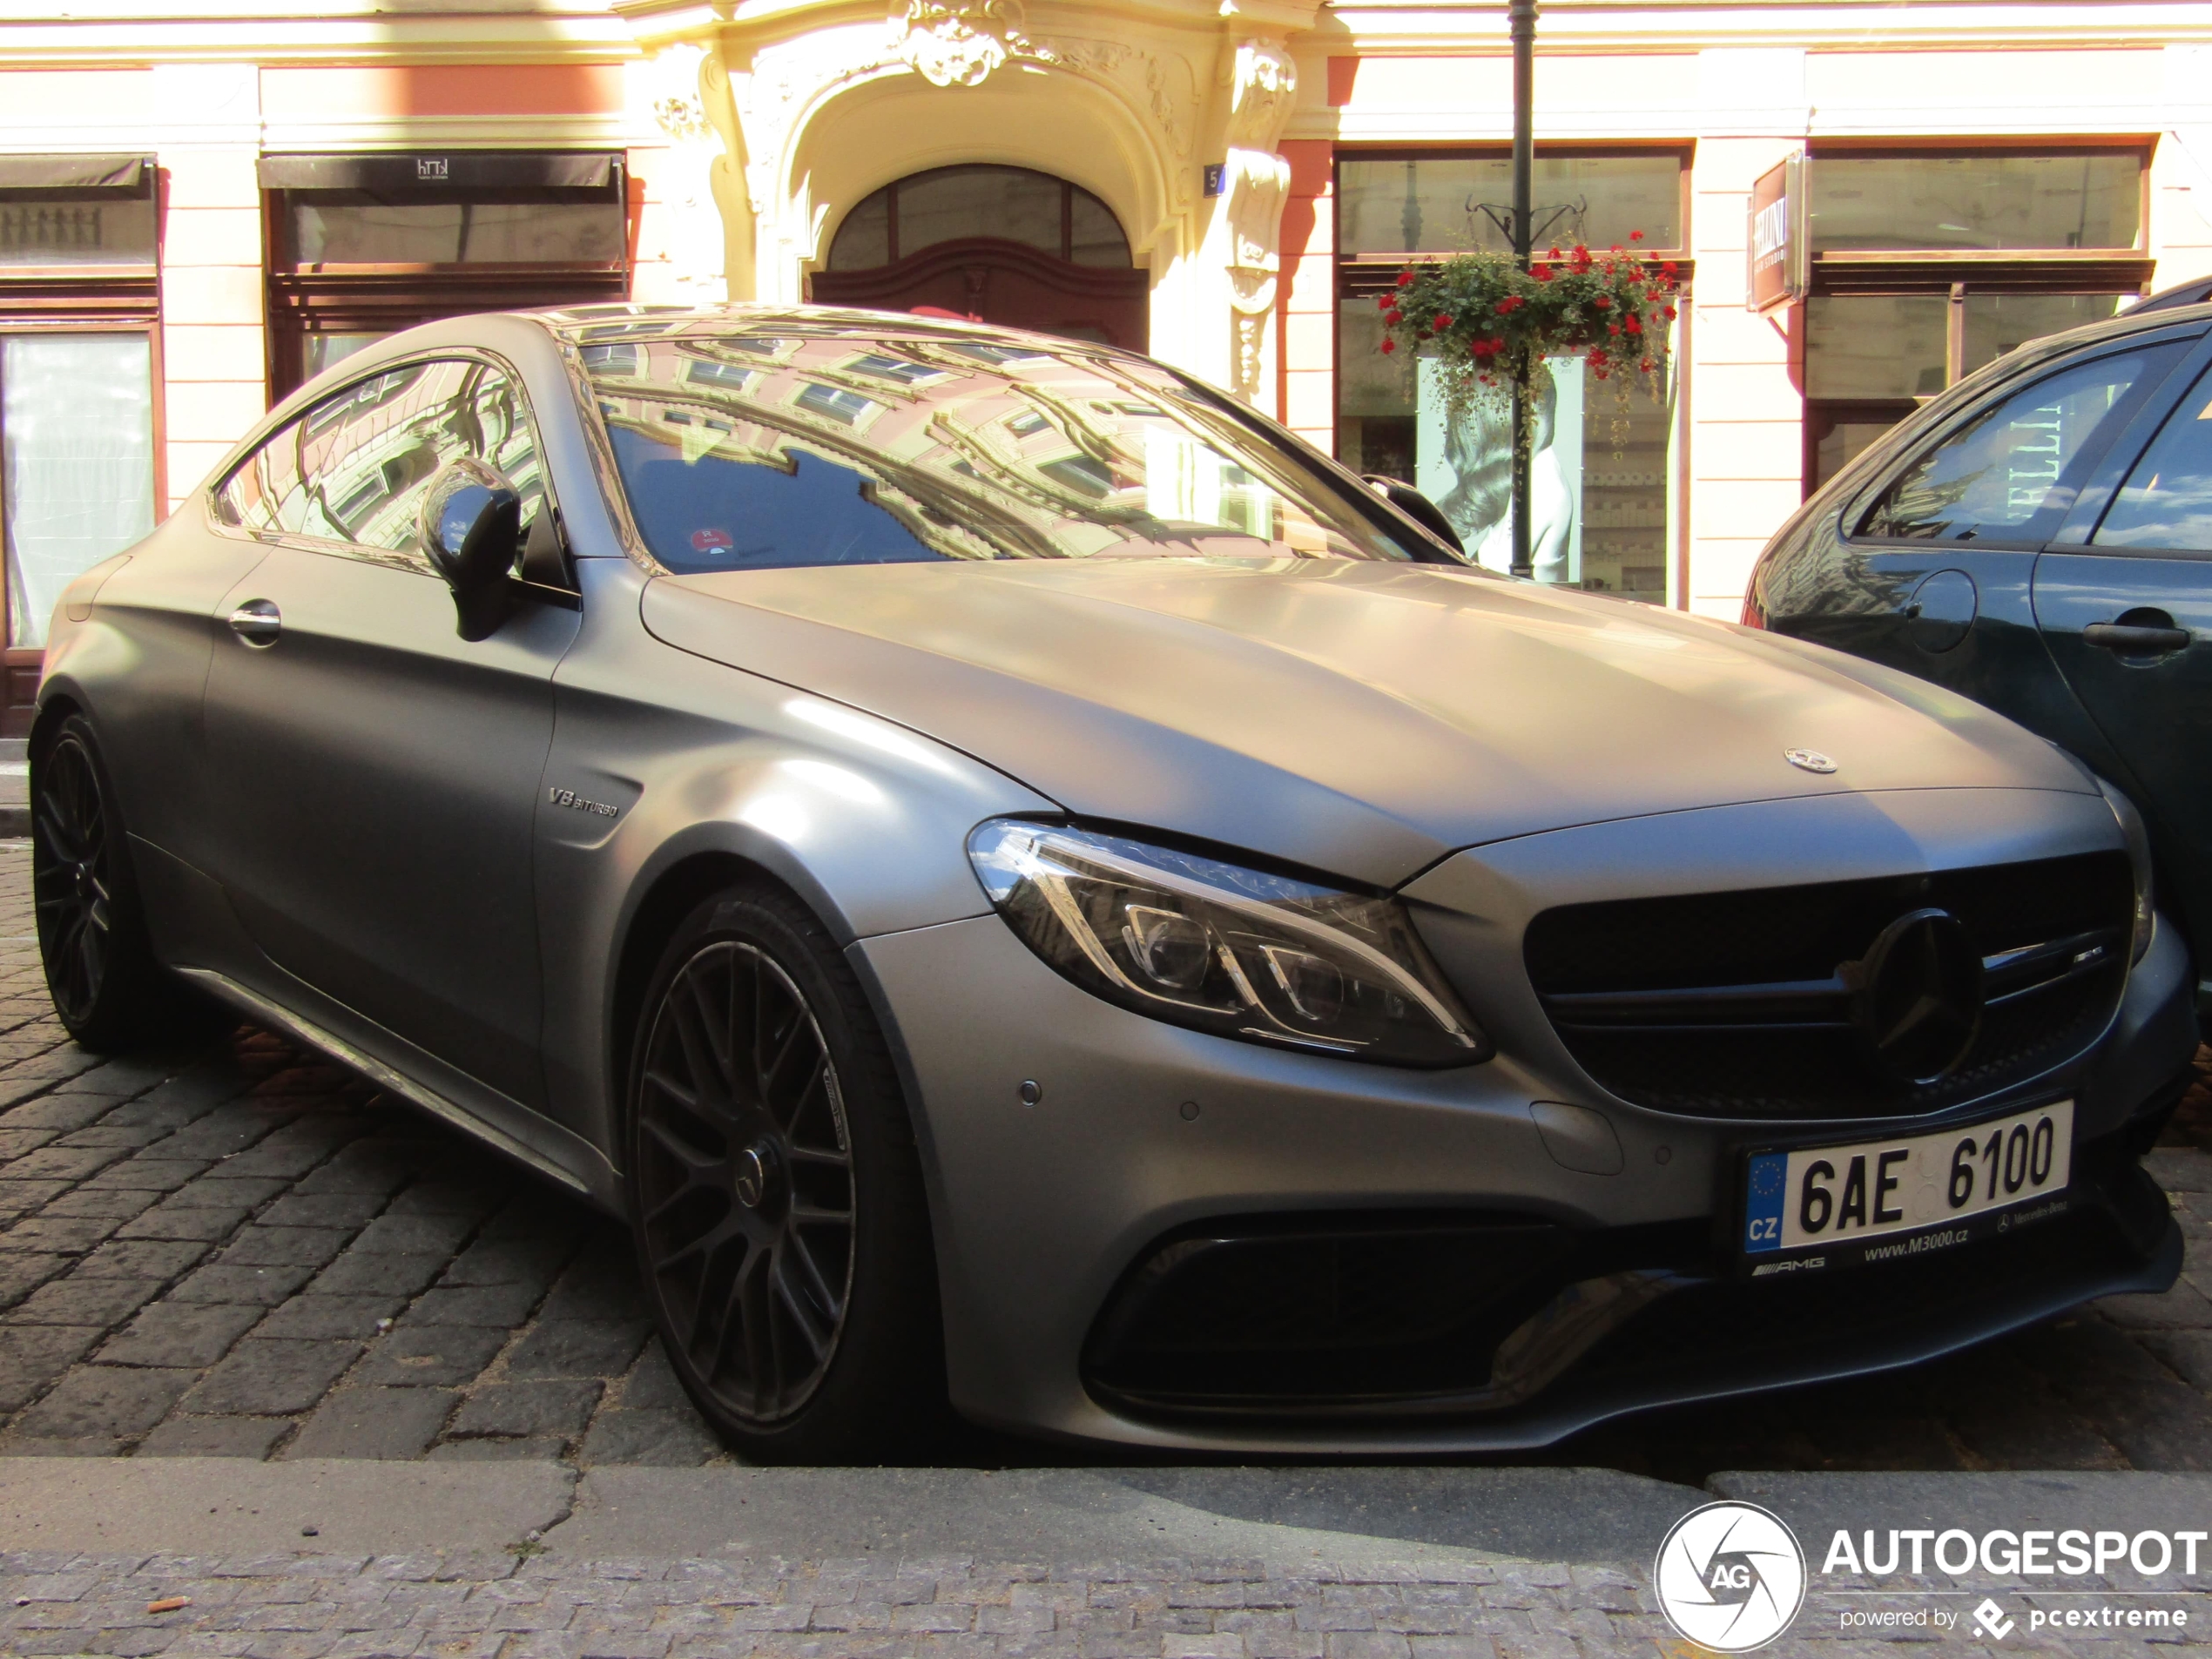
[(303, 1030)]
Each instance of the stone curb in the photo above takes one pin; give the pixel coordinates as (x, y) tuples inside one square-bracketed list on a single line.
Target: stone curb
[(1413, 1521)]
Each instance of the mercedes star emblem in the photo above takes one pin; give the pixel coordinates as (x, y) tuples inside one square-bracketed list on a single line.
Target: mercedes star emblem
[(1916, 996), (1809, 760)]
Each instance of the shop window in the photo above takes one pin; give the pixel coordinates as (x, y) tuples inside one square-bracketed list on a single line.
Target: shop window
[(1602, 473), (2089, 199), (79, 451), (1431, 203), (1927, 265), (361, 245)]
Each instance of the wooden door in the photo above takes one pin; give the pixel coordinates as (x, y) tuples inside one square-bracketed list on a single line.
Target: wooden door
[(1004, 282)]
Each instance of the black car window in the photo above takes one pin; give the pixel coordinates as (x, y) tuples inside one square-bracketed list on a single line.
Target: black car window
[(368, 452), (2010, 474), (262, 495), (829, 450), (2166, 501)]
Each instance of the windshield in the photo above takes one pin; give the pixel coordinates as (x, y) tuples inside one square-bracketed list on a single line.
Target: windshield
[(749, 452)]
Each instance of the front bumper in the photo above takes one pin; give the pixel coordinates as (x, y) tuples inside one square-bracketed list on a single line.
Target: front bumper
[(1146, 1134)]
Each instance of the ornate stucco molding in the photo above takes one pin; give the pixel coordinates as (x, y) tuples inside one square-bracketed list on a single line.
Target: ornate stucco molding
[(1256, 182), (689, 96), (959, 43)]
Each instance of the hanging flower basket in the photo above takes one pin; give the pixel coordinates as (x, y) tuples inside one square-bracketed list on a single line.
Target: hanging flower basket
[(1487, 323)]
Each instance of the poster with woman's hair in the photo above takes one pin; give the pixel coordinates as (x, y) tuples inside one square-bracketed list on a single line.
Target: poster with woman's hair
[(1465, 468)]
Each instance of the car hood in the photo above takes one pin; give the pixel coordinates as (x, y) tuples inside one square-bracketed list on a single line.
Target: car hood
[(1358, 718)]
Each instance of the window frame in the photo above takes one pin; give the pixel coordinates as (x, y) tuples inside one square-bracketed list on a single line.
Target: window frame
[(120, 298), (332, 298), (267, 433), (1366, 279), (2157, 399)]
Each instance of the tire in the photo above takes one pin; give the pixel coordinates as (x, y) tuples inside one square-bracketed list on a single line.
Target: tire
[(776, 1196), (110, 991)]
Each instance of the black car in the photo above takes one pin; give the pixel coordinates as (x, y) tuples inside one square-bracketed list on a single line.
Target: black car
[(2040, 539)]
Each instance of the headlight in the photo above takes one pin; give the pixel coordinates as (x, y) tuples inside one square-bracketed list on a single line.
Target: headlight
[(2131, 826), (1225, 949)]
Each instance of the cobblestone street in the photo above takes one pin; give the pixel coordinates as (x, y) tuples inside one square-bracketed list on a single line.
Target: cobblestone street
[(244, 1251)]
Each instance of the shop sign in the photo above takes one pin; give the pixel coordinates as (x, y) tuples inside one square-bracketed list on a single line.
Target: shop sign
[(1779, 251)]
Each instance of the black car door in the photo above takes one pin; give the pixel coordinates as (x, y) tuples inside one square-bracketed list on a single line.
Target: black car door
[(2124, 597), (375, 775), (1934, 570)]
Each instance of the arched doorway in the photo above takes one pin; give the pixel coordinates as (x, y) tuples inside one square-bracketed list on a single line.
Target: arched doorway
[(1004, 243)]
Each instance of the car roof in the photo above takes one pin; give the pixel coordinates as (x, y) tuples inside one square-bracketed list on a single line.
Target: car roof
[(592, 325)]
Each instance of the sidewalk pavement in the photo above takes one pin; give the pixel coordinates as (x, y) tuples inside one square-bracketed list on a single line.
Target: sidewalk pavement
[(317, 1560)]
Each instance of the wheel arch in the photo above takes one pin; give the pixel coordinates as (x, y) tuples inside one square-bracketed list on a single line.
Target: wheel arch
[(689, 870)]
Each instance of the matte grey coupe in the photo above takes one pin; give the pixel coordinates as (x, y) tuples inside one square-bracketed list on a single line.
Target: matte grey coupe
[(1031, 888)]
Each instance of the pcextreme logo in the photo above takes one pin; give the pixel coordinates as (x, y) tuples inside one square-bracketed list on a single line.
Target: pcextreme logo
[(1729, 1576)]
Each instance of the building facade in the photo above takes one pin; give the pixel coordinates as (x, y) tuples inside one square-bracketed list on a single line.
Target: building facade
[(201, 208)]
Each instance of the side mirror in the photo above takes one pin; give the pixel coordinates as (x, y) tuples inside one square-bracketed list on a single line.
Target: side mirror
[(471, 526), (1417, 507)]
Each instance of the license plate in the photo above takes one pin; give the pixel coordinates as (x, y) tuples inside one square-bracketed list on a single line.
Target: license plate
[(1870, 1201)]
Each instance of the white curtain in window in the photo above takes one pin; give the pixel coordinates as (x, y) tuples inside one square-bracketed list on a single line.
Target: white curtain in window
[(75, 461)]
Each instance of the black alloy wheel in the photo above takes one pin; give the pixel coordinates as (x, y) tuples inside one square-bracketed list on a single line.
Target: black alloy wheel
[(111, 991), (73, 879), (777, 1200)]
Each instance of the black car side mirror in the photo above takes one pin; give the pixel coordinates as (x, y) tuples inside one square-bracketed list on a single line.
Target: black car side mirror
[(1417, 507), (472, 526)]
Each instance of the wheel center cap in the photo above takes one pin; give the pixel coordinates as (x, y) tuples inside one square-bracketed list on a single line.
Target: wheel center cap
[(756, 1169)]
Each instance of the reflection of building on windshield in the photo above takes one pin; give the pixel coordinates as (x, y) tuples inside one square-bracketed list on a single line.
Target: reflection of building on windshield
[(747, 453)]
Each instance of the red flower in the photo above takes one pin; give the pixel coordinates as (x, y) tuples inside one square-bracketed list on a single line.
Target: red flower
[(1389, 346), (1603, 302), (1612, 327), (1604, 375), (1636, 236), (1383, 302), (1541, 273), (1510, 304), (1555, 254), (1404, 279), (1581, 252), (1670, 312), (1648, 367), (1669, 269), (1632, 325)]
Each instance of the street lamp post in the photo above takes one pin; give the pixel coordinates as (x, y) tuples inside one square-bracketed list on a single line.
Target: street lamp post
[(1521, 16)]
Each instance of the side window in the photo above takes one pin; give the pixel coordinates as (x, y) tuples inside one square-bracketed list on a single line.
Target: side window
[(368, 455), (2010, 474), (263, 495), (2167, 501)]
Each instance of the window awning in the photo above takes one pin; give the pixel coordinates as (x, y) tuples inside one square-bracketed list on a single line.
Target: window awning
[(75, 173), (444, 169)]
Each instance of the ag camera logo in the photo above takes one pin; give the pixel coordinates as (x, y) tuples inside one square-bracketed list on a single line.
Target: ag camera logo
[(1729, 1576)]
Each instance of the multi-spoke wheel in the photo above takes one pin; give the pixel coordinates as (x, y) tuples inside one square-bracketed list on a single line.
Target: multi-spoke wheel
[(776, 1197), (73, 879), (107, 986)]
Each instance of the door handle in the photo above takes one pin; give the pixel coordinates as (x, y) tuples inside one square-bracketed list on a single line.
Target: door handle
[(2129, 639), (257, 622)]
